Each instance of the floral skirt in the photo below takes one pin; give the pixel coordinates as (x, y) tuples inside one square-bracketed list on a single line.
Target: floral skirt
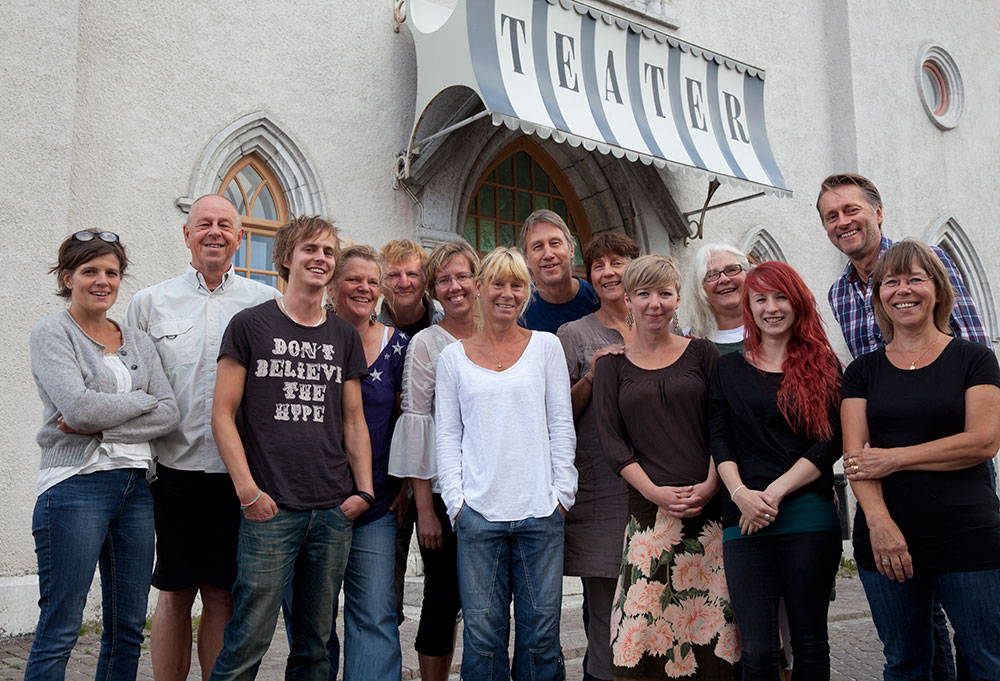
[(671, 616)]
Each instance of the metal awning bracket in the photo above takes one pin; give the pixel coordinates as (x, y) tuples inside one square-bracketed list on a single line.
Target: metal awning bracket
[(404, 158), (696, 227)]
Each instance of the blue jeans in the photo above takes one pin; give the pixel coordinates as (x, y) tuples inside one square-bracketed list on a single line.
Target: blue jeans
[(902, 616), (371, 633), (106, 519), (314, 546), (799, 567), (496, 560)]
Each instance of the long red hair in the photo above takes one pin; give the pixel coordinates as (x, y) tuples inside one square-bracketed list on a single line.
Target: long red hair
[(811, 381)]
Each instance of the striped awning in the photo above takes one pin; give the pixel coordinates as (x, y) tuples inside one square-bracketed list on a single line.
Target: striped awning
[(561, 69)]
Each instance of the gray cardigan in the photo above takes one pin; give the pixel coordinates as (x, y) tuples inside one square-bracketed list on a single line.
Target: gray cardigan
[(74, 382)]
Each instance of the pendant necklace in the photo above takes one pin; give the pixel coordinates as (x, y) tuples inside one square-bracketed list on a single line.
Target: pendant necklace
[(913, 363), (322, 315)]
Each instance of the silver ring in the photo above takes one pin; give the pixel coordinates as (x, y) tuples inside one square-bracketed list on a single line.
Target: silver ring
[(886, 561), (767, 516)]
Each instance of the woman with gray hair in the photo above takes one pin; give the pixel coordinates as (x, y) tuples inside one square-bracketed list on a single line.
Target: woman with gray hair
[(715, 280)]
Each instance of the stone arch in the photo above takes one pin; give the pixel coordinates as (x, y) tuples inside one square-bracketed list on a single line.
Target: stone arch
[(946, 233), (759, 245), (257, 133)]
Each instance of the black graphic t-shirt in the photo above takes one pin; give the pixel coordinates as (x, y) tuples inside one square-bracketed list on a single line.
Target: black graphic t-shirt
[(290, 419)]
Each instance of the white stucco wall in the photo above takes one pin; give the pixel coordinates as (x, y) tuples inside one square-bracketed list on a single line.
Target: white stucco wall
[(109, 106)]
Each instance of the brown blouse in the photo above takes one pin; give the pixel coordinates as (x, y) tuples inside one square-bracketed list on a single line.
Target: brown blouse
[(657, 418), (595, 524)]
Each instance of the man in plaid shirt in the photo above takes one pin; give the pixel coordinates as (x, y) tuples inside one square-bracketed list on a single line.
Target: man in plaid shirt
[(850, 208)]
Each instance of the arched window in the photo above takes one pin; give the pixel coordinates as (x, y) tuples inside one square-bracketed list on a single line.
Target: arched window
[(257, 195), (952, 239), (522, 179), (760, 246)]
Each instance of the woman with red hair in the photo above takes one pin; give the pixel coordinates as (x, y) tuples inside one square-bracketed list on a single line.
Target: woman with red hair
[(775, 435)]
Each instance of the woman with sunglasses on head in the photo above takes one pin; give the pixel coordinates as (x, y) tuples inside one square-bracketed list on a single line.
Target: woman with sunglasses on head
[(104, 397), (775, 436), (593, 549), (670, 615), (450, 272), (504, 439), (921, 418), (715, 306)]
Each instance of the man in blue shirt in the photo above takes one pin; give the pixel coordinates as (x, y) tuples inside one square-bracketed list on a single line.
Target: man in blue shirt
[(557, 296)]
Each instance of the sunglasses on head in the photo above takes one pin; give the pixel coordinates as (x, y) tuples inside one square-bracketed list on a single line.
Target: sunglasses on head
[(87, 235)]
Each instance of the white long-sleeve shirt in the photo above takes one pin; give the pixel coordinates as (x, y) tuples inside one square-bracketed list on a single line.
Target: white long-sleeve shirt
[(505, 439)]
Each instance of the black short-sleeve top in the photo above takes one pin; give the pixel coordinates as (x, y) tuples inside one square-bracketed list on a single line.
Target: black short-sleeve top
[(950, 519)]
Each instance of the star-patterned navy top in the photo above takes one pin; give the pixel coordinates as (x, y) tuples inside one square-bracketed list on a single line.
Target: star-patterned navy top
[(378, 393)]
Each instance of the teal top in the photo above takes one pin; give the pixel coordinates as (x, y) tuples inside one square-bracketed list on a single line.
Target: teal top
[(726, 348), (809, 512)]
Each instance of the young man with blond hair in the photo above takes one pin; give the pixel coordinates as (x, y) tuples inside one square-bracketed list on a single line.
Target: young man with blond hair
[(405, 303), (290, 427)]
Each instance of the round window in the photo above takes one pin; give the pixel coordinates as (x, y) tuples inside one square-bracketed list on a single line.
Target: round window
[(941, 89)]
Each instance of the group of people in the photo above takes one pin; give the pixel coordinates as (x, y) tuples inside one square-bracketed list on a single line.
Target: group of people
[(527, 424)]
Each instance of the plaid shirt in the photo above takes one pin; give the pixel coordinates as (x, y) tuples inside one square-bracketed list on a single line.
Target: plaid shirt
[(852, 306)]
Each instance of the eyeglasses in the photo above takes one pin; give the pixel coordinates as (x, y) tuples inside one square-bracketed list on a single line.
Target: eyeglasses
[(892, 283), (728, 270), (463, 278), (87, 235)]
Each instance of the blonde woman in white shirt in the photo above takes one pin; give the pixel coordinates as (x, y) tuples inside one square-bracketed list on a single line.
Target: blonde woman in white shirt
[(449, 273), (505, 447)]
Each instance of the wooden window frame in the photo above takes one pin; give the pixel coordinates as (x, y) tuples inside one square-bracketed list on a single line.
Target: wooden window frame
[(253, 225), (556, 176)]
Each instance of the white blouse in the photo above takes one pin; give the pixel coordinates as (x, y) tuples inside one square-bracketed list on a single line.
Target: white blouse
[(411, 454), (505, 439)]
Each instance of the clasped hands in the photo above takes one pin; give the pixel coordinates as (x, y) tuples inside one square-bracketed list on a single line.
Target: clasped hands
[(759, 508), (686, 501)]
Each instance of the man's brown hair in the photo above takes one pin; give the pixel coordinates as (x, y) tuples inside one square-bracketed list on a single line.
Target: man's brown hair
[(295, 230)]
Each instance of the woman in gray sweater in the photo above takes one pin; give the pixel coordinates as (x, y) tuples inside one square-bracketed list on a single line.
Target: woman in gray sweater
[(104, 396)]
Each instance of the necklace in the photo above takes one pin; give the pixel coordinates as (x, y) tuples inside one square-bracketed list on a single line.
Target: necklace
[(322, 315), (499, 361), (913, 363)]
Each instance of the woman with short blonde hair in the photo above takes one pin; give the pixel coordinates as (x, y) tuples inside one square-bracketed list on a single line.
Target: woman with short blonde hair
[(671, 616), (505, 446)]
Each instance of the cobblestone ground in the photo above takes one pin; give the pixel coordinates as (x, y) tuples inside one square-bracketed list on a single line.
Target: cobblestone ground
[(856, 651)]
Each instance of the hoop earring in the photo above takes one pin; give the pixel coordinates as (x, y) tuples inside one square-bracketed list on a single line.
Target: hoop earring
[(630, 320)]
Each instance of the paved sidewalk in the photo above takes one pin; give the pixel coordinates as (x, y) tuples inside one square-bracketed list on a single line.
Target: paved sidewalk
[(856, 651)]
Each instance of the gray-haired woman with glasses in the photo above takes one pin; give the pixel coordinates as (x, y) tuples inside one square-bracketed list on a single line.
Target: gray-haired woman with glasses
[(715, 280), (104, 397)]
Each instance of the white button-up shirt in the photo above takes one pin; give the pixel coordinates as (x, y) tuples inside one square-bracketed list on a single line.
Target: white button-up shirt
[(186, 322)]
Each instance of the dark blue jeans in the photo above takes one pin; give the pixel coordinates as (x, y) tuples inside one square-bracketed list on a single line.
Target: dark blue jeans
[(902, 615), (106, 519), (497, 560), (313, 545), (800, 568)]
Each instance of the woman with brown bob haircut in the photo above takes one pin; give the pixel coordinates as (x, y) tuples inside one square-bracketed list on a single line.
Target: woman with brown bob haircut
[(104, 397), (921, 418)]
